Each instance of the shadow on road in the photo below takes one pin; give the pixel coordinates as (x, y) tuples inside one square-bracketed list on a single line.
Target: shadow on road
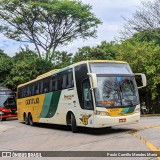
[(83, 130), (9, 119)]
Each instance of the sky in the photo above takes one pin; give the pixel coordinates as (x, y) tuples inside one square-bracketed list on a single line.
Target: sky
[(110, 12)]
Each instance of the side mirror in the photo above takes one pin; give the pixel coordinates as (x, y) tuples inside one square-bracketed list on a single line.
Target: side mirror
[(94, 80), (141, 80)]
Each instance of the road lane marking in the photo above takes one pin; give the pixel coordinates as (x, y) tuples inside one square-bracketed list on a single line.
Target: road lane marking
[(147, 127), (145, 141)]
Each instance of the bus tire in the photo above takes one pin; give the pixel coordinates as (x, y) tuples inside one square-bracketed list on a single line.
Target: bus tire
[(73, 124), (26, 120), (30, 119), (3, 119)]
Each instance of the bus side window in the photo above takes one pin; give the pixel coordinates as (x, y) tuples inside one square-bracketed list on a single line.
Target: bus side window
[(64, 83), (70, 80), (80, 75), (29, 90), (67, 79), (54, 84), (24, 92), (41, 87), (46, 85), (60, 81), (86, 97), (36, 88), (19, 92)]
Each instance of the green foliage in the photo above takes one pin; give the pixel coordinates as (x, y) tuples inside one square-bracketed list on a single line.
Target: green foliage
[(148, 35), (48, 23), (61, 59), (104, 51), (27, 66), (5, 66)]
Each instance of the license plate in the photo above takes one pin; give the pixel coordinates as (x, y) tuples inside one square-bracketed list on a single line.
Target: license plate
[(122, 120), (1, 112)]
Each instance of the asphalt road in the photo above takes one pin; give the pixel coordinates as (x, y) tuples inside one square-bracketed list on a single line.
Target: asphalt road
[(144, 136)]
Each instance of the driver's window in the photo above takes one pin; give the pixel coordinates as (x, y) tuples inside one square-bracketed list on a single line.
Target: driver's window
[(87, 97)]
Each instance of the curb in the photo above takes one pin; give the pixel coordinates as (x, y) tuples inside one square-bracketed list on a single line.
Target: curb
[(150, 115)]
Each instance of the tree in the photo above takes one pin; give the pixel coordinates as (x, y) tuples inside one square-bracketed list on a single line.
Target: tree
[(62, 59), (104, 51), (25, 54), (146, 18), (5, 66), (26, 66), (147, 36), (47, 23)]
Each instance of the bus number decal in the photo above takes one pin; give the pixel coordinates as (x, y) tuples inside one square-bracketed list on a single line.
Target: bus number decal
[(84, 119)]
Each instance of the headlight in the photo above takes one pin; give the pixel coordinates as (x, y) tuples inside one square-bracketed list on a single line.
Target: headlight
[(102, 113)]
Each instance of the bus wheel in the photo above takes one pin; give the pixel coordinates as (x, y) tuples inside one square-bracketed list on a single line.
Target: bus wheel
[(26, 120), (73, 124), (30, 120), (3, 119)]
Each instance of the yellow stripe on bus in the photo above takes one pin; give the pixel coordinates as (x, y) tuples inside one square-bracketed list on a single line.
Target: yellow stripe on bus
[(31, 104), (114, 111)]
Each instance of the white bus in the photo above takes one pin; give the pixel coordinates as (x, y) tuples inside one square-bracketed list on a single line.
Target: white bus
[(96, 93)]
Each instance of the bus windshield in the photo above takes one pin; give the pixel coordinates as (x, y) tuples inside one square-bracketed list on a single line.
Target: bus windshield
[(116, 91), (7, 101)]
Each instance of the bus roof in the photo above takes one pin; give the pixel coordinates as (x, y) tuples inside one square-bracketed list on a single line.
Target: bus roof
[(40, 77), (98, 61), (72, 65)]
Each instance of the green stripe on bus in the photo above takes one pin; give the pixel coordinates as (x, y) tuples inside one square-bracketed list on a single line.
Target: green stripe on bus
[(46, 105), (53, 104), (125, 110), (128, 110), (131, 109)]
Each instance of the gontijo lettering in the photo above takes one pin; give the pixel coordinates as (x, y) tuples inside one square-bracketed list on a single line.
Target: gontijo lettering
[(32, 101)]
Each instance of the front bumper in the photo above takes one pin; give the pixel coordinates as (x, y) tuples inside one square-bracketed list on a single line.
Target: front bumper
[(7, 113), (108, 121)]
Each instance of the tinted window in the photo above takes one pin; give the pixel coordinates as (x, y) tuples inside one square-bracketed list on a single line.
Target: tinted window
[(45, 85), (87, 97), (60, 80), (80, 75), (29, 90), (54, 83), (19, 92), (36, 88), (67, 79), (24, 92)]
